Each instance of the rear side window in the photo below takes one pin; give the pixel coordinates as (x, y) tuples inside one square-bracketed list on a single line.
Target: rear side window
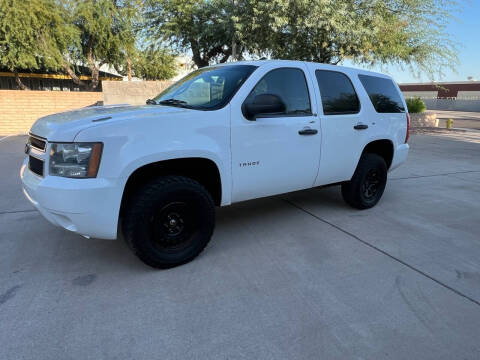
[(383, 94), (290, 85), (337, 92)]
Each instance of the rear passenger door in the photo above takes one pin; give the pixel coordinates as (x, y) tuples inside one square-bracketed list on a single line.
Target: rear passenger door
[(344, 123)]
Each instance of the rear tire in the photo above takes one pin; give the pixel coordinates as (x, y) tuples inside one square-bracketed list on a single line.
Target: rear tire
[(169, 221), (366, 187)]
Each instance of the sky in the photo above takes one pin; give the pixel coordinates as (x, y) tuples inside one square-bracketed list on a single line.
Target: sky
[(466, 33)]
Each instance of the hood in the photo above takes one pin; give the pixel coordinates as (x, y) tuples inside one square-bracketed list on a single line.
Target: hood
[(66, 125)]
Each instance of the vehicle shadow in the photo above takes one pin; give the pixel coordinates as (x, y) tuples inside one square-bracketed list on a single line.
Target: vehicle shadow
[(248, 221), (238, 227)]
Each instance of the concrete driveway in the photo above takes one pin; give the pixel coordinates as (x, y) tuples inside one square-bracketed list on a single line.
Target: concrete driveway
[(298, 276), (461, 119)]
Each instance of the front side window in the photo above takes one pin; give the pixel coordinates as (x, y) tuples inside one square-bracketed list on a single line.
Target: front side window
[(290, 85), (208, 88), (383, 94), (337, 93)]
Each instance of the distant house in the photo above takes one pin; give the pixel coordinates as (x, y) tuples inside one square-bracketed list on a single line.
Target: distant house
[(42, 79), (461, 90), (49, 80), (185, 65)]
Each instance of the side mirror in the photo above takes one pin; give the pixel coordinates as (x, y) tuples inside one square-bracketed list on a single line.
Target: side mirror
[(264, 104)]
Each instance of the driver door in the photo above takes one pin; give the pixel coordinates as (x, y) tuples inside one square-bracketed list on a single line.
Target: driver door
[(275, 153)]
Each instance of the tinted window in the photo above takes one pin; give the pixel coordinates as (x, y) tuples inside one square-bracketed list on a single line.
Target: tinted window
[(207, 88), (337, 92), (383, 94), (290, 85)]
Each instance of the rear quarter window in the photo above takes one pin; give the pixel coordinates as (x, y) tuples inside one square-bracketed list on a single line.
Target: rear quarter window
[(383, 94)]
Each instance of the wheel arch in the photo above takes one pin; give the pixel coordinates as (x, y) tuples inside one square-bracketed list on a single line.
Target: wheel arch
[(200, 169), (381, 147)]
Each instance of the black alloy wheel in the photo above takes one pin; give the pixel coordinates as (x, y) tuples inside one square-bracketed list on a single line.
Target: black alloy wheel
[(169, 221), (368, 182)]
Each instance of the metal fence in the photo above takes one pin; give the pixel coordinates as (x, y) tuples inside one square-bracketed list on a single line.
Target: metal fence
[(453, 104), (463, 103)]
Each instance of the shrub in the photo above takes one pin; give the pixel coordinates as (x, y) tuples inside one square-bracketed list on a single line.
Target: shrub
[(416, 105)]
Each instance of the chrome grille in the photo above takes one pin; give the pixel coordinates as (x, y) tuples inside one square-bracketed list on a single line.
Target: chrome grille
[(37, 142)]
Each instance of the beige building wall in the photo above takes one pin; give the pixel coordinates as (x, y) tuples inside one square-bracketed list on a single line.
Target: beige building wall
[(131, 92)]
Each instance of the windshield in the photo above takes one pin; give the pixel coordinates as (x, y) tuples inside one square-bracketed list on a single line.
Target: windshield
[(207, 88)]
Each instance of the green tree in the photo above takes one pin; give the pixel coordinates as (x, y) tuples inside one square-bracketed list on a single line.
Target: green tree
[(102, 38), (145, 62), (405, 32), (34, 34), (132, 21), (203, 27), (154, 64)]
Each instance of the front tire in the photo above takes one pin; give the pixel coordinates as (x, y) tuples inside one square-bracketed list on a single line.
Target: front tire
[(169, 221), (366, 187)]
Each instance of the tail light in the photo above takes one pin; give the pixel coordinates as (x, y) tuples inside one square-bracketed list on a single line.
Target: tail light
[(408, 128)]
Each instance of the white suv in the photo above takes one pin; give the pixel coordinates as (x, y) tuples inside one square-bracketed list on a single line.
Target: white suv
[(222, 134)]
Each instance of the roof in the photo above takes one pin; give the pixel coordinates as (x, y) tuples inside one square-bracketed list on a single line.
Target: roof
[(82, 71), (331, 67)]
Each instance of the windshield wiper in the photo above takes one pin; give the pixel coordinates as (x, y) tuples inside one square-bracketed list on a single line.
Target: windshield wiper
[(174, 102)]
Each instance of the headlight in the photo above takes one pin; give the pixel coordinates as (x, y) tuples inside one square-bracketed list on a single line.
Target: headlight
[(75, 160)]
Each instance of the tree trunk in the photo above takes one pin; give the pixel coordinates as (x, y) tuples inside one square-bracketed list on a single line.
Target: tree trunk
[(226, 55), (234, 40), (95, 77), (234, 49), (129, 68), (19, 82), (94, 69), (76, 80), (196, 56)]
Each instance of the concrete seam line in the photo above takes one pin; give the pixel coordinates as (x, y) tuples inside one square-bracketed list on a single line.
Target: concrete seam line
[(411, 267), (16, 211), (3, 138), (433, 175)]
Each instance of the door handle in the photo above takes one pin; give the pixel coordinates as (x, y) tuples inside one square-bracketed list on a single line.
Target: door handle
[(360, 126), (307, 131)]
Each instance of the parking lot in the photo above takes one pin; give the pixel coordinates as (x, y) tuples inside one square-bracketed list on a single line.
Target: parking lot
[(298, 276), (461, 119)]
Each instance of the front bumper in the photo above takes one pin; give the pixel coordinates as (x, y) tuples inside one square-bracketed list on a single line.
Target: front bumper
[(89, 207)]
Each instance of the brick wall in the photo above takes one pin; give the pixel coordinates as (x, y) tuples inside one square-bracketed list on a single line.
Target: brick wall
[(19, 109), (423, 120), (132, 92)]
